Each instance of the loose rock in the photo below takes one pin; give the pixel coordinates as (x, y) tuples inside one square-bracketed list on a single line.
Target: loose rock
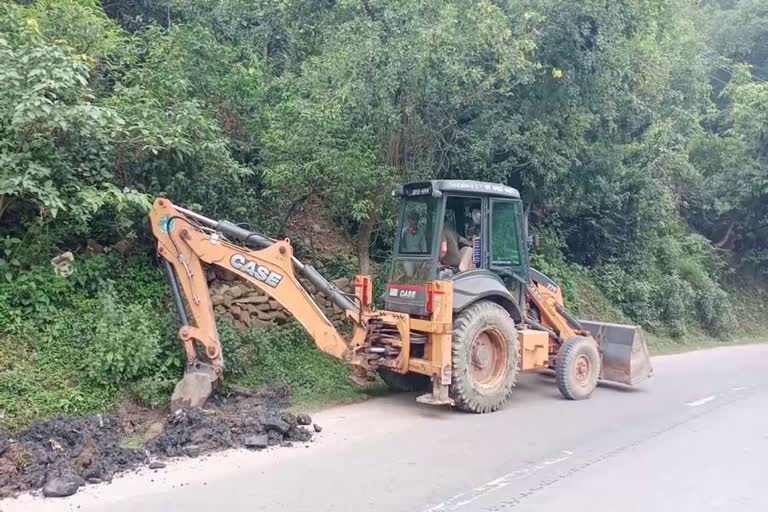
[(61, 486), (191, 391), (193, 451), (156, 465), (276, 424), (317, 428), (256, 441), (154, 431), (289, 418), (304, 419), (342, 282), (251, 298)]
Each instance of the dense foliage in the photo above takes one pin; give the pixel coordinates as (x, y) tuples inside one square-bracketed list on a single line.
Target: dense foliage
[(635, 131)]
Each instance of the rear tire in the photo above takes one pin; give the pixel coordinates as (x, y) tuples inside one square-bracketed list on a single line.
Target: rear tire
[(577, 368), (484, 356), (404, 382)]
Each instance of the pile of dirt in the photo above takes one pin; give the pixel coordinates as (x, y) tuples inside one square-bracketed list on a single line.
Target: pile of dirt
[(311, 228), (62, 454)]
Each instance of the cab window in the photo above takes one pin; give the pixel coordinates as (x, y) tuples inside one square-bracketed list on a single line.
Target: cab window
[(417, 223)]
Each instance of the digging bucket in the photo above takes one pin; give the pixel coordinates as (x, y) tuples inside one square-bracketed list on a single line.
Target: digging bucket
[(625, 355), (194, 389)]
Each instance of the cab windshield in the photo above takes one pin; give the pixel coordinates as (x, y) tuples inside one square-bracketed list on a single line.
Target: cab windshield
[(417, 223)]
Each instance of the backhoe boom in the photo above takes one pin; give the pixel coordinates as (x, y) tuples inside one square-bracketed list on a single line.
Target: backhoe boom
[(187, 240)]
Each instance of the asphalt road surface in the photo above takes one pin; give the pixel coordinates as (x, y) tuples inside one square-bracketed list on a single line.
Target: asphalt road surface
[(694, 437)]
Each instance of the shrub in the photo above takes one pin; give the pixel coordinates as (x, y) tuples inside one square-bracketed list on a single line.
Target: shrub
[(233, 347), (338, 266), (124, 341), (675, 302), (287, 355), (153, 391), (550, 260), (715, 310), (84, 340)]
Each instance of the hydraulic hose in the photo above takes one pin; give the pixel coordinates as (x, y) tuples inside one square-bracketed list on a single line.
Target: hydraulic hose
[(258, 241), (329, 289)]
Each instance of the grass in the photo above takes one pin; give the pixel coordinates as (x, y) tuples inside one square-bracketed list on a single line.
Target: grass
[(750, 304), (661, 346), (289, 356), (33, 386), (54, 331)]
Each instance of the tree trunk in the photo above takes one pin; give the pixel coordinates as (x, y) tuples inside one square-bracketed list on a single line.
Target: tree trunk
[(363, 247), (727, 237), (5, 202), (298, 202)]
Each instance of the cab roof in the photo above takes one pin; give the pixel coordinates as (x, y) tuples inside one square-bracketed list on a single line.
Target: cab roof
[(460, 186)]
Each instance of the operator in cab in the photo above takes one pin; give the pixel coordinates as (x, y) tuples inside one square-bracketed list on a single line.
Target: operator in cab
[(412, 240), (455, 250)]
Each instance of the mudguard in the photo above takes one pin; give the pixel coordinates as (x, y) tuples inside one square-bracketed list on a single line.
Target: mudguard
[(474, 285)]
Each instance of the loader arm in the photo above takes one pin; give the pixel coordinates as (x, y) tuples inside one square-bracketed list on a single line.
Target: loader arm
[(623, 352), (185, 244), (554, 317)]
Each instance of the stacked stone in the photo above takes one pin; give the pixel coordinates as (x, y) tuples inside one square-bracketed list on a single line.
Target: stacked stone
[(247, 307)]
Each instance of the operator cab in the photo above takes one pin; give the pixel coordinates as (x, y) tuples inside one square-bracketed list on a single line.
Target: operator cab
[(469, 232)]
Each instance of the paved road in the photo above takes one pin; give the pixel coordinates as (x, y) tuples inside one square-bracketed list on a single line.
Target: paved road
[(695, 437)]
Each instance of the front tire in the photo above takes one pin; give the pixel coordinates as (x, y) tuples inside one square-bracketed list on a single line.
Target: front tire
[(485, 357), (577, 368)]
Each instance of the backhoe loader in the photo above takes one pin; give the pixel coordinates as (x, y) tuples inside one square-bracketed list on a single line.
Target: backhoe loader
[(463, 311)]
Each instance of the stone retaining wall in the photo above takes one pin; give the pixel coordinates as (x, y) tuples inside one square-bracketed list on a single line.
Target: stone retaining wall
[(250, 308)]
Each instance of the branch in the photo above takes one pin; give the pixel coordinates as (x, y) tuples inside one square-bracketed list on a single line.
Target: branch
[(295, 204), (727, 237)]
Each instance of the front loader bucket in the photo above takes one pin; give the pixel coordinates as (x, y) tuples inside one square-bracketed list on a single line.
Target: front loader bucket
[(625, 356)]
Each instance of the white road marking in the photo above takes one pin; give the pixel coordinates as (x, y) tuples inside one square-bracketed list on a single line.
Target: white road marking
[(556, 461), (465, 498), (703, 401)]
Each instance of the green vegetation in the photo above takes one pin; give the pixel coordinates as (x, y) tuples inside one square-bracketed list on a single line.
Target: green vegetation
[(70, 345), (635, 131), (288, 357), (80, 343)]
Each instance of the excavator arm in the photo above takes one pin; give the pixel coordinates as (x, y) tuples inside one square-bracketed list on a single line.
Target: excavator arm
[(186, 240)]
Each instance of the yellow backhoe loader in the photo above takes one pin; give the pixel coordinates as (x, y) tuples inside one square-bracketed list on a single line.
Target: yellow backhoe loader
[(463, 311)]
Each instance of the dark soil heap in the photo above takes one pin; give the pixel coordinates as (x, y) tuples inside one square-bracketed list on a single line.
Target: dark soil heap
[(95, 448)]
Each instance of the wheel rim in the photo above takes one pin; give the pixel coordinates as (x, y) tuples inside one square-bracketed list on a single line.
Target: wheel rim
[(488, 360), (582, 370)]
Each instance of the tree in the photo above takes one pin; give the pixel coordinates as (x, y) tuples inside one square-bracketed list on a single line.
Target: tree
[(54, 137), (382, 100)]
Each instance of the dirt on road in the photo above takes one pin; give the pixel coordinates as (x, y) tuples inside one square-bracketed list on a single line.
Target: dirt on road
[(62, 454)]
